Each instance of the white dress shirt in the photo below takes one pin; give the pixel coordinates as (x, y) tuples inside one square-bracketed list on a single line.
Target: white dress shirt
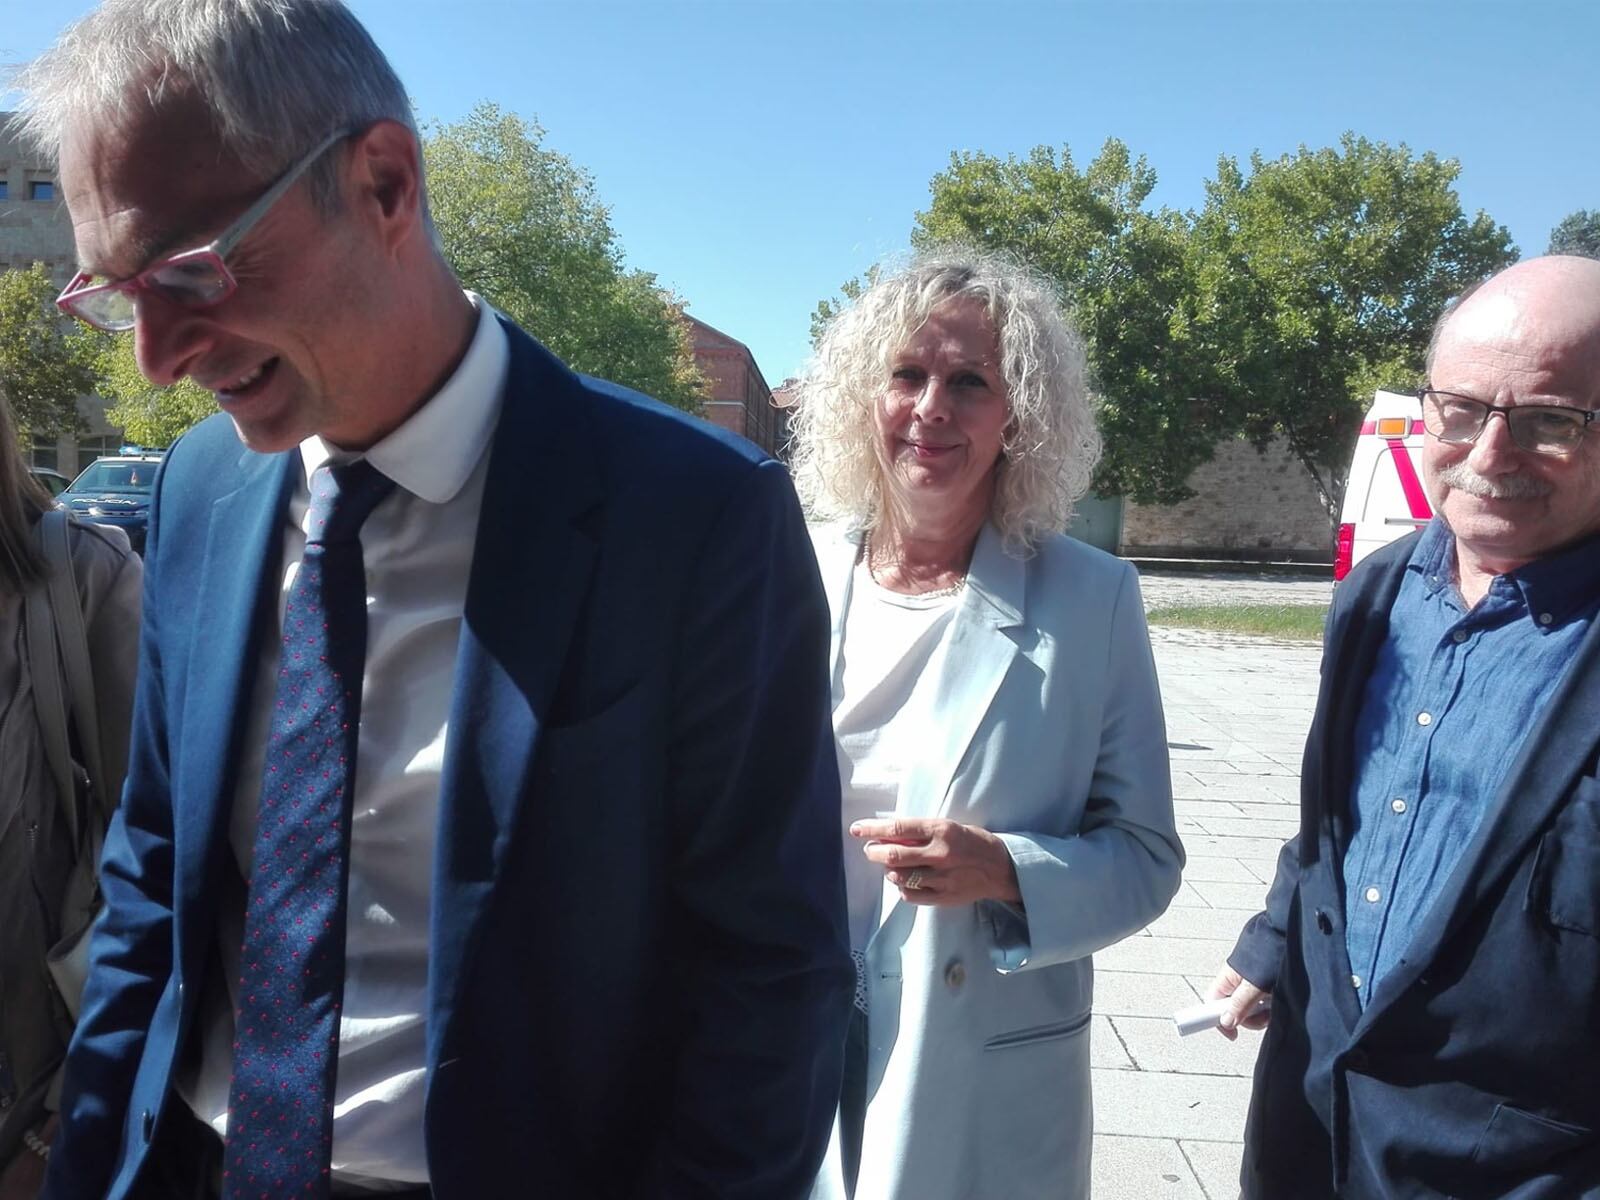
[(878, 724), (417, 547)]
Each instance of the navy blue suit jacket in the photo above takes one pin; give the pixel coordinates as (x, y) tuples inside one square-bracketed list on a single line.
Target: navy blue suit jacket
[(639, 974), (1474, 1072)]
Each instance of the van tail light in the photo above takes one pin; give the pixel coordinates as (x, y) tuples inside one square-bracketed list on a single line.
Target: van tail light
[(1344, 548)]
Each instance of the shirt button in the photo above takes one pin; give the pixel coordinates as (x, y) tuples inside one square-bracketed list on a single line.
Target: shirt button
[(1373, 895), (1355, 982), (1398, 805), (1424, 718), (1459, 636), (1545, 618)]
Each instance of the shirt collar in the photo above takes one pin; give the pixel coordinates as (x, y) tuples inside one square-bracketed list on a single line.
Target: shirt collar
[(436, 450), (1559, 585)]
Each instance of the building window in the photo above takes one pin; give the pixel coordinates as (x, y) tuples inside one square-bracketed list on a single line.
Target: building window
[(41, 189), (5, 189), (43, 453), (91, 448)]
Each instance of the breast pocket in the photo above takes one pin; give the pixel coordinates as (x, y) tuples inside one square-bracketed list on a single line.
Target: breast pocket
[(1565, 887)]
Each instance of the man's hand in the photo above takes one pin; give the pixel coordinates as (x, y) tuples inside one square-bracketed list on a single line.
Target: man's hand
[(934, 861), (1241, 1014)]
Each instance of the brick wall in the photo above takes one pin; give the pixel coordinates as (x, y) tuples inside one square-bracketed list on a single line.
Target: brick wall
[(1248, 505)]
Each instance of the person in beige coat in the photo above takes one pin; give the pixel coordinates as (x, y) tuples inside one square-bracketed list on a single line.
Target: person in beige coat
[(36, 849), (1002, 753)]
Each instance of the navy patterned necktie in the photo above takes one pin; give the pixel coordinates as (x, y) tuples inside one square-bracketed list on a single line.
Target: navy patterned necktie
[(280, 1102)]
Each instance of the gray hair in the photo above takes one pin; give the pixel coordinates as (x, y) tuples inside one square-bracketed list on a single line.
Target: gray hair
[(1050, 445), (276, 76)]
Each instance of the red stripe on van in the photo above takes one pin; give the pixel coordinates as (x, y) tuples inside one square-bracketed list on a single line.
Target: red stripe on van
[(1416, 498)]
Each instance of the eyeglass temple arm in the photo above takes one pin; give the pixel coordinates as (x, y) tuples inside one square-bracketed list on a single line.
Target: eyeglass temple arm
[(224, 244)]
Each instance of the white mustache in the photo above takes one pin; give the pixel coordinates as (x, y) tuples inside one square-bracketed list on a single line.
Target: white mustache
[(1463, 478)]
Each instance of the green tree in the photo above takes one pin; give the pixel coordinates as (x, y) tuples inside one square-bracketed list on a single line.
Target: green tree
[(46, 362), (523, 226), (1578, 233), (1318, 277), (1122, 269), (147, 414)]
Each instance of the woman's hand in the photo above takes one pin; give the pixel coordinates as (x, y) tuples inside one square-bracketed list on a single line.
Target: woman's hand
[(23, 1176), (934, 861)]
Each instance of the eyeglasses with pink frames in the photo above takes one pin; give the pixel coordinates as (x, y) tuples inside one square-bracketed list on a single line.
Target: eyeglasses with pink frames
[(193, 279)]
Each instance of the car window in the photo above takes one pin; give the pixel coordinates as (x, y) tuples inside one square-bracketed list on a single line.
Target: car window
[(104, 476)]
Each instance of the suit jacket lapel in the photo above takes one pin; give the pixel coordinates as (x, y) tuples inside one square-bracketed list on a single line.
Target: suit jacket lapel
[(1538, 782), (245, 528), (530, 572), (955, 695)]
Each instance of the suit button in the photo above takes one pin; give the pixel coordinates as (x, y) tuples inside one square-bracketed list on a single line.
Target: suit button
[(1356, 1060), (148, 1120), (955, 975), (1323, 922)]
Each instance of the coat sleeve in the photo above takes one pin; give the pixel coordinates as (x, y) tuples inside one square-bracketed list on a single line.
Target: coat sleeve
[(763, 974), (131, 950), (1123, 866)]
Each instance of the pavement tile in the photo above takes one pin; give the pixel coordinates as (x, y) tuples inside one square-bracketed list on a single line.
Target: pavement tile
[(1215, 924), (1142, 1168), (1232, 895), (1140, 994), (1166, 955), (1216, 1165), (1202, 868), (1187, 897), (1142, 1103), (1153, 1044), (1245, 849), (1284, 824), (1106, 1051)]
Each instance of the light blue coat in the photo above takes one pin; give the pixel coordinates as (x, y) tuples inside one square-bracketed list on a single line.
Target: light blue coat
[(1044, 726)]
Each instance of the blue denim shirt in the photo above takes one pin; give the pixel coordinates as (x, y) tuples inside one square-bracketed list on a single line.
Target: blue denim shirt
[(1451, 697)]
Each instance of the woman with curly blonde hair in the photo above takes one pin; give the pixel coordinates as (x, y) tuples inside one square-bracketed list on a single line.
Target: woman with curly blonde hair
[(1002, 755)]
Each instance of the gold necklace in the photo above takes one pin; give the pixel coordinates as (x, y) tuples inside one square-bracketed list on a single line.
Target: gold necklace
[(865, 555)]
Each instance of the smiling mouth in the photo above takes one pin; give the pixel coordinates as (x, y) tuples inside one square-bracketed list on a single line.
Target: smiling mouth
[(247, 384)]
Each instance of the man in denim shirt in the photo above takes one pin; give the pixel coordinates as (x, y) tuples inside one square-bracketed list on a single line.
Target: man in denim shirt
[(1431, 943)]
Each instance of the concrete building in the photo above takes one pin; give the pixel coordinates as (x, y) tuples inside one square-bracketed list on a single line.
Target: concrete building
[(34, 228), (740, 399)]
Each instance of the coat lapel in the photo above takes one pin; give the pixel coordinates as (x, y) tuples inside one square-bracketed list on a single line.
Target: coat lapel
[(530, 572), (245, 528)]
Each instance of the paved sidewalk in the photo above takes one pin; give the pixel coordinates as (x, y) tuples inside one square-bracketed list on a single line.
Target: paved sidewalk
[(1169, 1112)]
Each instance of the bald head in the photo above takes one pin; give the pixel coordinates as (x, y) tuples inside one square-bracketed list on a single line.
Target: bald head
[(1548, 304)]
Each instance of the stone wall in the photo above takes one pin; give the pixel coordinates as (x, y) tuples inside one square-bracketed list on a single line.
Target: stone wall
[(1247, 505)]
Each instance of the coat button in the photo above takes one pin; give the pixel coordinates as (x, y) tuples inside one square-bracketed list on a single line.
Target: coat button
[(955, 975), (148, 1120), (1323, 922)]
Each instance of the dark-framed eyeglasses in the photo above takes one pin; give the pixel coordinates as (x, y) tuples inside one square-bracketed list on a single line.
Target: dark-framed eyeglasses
[(193, 279), (1538, 428)]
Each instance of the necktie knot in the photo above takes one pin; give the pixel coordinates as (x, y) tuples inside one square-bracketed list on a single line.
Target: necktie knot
[(342, 498)]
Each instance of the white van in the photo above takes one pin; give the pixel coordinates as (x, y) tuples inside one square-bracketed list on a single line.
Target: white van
[(1384, 498)]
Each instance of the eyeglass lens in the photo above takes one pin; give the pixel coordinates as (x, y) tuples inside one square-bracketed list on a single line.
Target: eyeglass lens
[(1543, 429)]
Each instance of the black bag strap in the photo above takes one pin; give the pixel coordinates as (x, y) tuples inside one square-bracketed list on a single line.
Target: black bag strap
[(73, 637)]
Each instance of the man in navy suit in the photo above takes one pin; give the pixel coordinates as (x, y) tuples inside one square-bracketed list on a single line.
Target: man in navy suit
[(1431, 943), (590, 941)]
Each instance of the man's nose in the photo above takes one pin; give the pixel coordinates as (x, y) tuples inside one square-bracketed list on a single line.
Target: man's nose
[(1493, 451), (168, 339)]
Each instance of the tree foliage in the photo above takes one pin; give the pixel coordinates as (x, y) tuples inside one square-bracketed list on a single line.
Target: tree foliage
[(1578, 233), (1124, 272), (522, 225), (147, 414), (46, 362), (1318, 276)]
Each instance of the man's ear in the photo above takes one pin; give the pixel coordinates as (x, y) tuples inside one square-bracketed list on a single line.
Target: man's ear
[(385, 181)]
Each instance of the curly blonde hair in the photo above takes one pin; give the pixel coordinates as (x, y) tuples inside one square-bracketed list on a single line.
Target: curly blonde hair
[(1050, 445)]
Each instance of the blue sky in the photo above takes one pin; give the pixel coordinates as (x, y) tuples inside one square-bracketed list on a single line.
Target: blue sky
[(756, 153)]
